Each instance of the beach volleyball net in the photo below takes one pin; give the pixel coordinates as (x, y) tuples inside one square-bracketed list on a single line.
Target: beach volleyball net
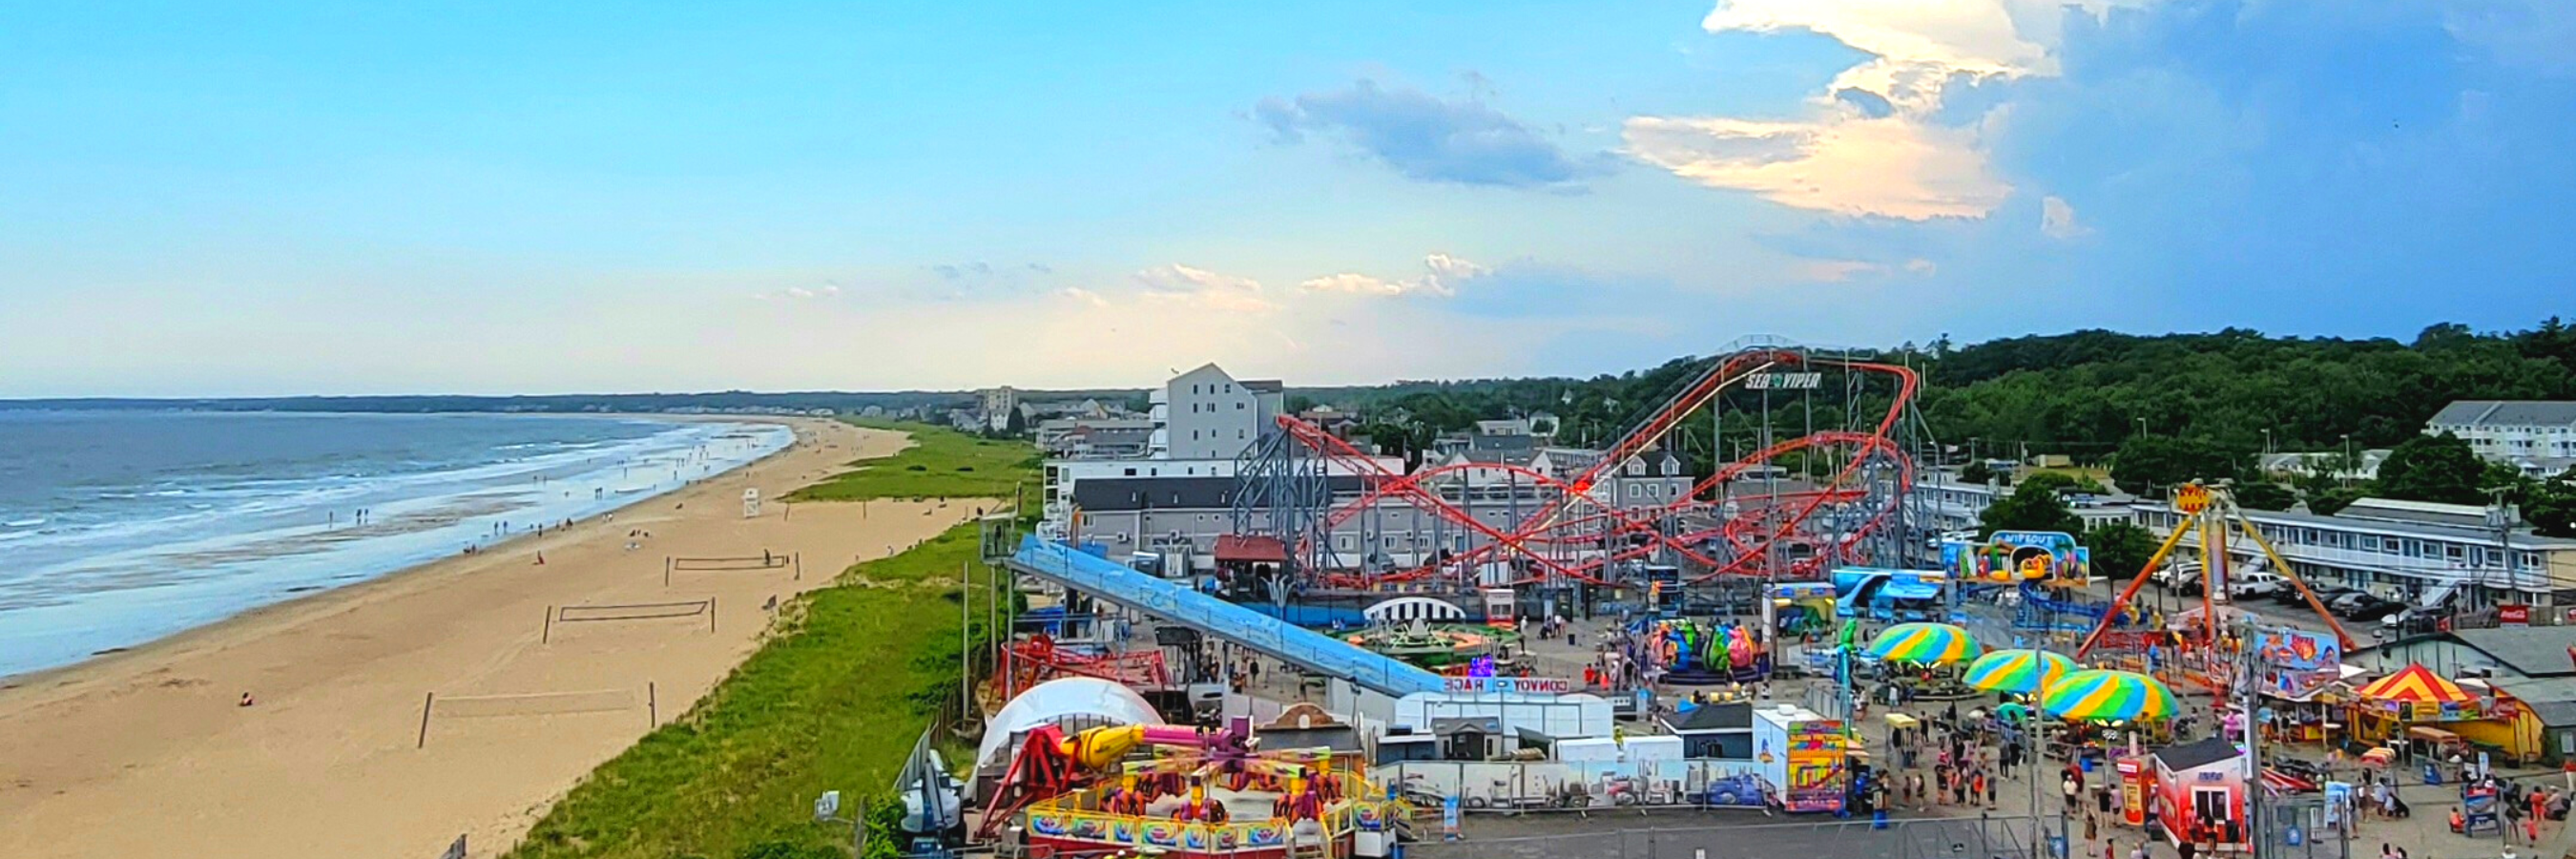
[(642, 611), (763, 561), (766, 560), (507, 705)]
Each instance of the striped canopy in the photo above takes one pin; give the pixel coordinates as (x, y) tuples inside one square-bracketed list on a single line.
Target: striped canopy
[(2021, 672), (1925, 643), (2106, 696), (2416, 684)]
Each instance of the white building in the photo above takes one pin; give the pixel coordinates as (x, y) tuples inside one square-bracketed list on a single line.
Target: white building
[(1206, 414), (998, 405), (2538, 437)]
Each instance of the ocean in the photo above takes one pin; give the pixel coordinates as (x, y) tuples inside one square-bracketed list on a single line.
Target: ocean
[(119, 527)]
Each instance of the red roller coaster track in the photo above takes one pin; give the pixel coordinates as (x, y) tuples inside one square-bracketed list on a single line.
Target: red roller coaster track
[(1606, 524)]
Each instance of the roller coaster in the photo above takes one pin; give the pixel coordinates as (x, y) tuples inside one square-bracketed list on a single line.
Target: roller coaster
[(1570, 526)]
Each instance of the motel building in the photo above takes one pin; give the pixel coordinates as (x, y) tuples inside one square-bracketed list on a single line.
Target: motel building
[(2420, 552)]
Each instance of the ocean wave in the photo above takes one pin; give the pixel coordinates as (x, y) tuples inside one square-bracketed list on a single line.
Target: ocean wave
[(23, 523)]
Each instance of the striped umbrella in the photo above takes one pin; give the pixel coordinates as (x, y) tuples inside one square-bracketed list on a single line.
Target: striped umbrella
[(2105, 696), (1925, 643), (2021, 672)]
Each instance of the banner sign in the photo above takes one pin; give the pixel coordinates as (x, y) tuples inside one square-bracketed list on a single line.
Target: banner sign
[(1508, 685), (1784, 381), (1817, 752)]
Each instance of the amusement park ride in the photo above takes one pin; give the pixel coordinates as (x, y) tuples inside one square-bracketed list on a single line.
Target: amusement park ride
[(1202, 792), (2211, 516), (1569, 533)]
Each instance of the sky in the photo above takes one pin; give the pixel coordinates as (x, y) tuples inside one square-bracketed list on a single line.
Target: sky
[(243, 199)]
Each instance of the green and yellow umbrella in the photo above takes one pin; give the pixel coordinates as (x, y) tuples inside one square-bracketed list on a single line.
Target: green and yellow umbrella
[(2106, 696), (2021, 672), (1926, 644)]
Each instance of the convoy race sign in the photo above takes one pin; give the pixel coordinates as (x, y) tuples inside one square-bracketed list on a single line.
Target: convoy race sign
[(1509, 685)]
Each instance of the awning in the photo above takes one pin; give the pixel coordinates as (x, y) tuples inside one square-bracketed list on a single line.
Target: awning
[(2437, 735), (1913, 591), (2415, 684)]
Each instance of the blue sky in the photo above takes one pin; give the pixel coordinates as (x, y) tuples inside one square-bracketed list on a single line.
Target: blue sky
[(304, 198)]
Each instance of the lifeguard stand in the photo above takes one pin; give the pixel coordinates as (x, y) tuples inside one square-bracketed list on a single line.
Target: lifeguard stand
[(751, 503)]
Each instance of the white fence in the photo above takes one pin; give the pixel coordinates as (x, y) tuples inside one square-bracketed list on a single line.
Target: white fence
[(1590, 784)]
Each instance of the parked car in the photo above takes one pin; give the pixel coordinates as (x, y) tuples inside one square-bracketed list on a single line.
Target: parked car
[(2182, 576), (2258, 583), (2326, 596), (2413, 620)]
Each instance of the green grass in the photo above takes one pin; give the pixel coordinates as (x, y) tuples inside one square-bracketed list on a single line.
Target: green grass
[(941, 463), (833, 702)]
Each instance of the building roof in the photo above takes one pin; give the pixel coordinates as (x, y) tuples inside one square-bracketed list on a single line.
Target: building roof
[(1110, 493), (2197, 754), (2538, 690), (2537, 651), (1261, 386), (1711, 717), (1159, 493), (2420, 512), (2506, 413), (2521, 539), (1445, 725), (2554, 714)]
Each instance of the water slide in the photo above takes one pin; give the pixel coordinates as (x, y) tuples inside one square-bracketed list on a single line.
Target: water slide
[(1174, 603)]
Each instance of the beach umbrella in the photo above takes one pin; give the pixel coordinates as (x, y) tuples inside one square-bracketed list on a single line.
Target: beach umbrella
[(2104, 696), (2020, 671), (1925, 643)]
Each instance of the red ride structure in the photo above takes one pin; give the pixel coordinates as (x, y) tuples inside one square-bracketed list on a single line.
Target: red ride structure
[(1853, 511)]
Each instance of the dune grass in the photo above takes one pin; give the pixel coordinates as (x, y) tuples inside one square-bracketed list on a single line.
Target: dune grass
[(832, 701), (940, 463)]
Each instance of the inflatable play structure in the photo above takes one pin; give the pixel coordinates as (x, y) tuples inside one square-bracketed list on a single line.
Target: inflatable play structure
[(1182, 791), (1696, 654)]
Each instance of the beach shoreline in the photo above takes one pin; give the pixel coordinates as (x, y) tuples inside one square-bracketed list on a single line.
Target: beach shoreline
[(358, 589), (93, 754)]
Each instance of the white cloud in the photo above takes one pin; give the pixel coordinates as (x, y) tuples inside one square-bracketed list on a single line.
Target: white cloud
[(1442, 275), (1213, 290), (2057, 219), (1084, 295), (1895, 167), (1833, 270), (1868, 144), (803, 293), (1919, 265)]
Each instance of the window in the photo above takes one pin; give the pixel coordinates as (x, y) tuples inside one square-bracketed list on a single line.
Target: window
[(1130, 472)]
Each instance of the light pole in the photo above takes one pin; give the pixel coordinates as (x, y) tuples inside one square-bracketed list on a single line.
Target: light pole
[(2349, 466), (2142, 426), (2267, 442)]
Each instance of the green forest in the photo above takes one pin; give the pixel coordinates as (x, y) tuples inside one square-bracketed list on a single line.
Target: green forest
[(2152, 410)]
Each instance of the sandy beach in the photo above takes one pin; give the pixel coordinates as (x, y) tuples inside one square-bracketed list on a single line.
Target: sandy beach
[(146, 752)]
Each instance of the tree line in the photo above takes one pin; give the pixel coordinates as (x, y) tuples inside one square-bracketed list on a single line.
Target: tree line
[(2155, 410)]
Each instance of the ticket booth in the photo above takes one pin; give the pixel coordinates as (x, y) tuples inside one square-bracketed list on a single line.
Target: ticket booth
[(2135, 780)]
